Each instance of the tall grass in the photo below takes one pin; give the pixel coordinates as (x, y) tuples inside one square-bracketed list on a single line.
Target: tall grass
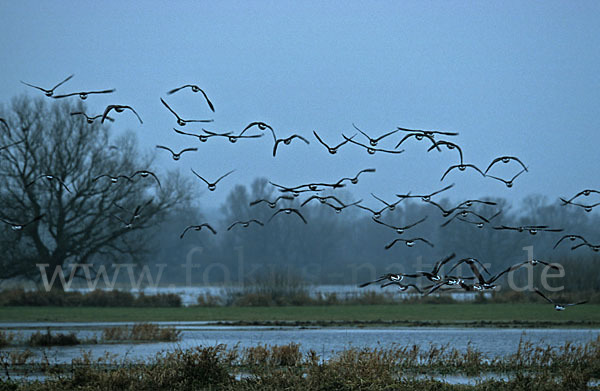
[(569, 367)]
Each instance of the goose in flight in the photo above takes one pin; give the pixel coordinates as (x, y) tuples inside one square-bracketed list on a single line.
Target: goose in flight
[(260, 125), (354, 180), (146, 174), (49, 92), (390, 277), (245, 224), (212, 186), (11, 144), (585, 193), (84, 94), (390, 207), (322, 199), (462, 205), (113, 179), (371, 150), (409, 242), (425, 197), (176, 156), (400, 229), (198, 228), (571, 238), (287, 141), (272, 204), (289, 211), (419, 137), (558, 306), (506, 160), (18, 226), (181, 121), (462, 167), (194, 89), (332, 150), (119, 109), (374, 141), (532, 229), (430, 133), (451, 146), (508, 183), (89, 119), (49, 178), (587, 208)]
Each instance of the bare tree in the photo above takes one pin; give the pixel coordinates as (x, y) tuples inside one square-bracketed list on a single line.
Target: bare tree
[(93, 209)]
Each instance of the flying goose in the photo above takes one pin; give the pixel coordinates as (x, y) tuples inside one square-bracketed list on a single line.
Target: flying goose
[(49, 92), (181, 121), (198, 228), (245, 224), (332, 150), (409, 242), (506, 160), (508, 183), (462, 167), (49, 178), (288, 211), (18, 226), (558, 306), (89, 119), (272, 204), (430, 133), (176, 156), (212, 186), (400, 229), (119, 109), (448, 145), (194, 88), (425, 197), (374, 141), (371, 150), (354, 180), (84, 94)]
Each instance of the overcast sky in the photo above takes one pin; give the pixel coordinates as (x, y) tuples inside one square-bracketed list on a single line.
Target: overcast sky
[(512, 77)]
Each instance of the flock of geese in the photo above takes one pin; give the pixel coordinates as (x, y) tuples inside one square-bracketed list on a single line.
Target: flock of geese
[(480, 280)]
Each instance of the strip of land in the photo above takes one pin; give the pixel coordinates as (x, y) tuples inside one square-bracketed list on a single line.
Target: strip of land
[(469, 314)]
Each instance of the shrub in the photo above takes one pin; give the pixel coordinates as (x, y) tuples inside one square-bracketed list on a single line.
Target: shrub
[(48, 339), (141, 332)]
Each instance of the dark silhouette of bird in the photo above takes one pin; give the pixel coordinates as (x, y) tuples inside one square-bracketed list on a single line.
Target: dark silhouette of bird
[(508, 183), (212, 186), (18, 226), (425, 197), (176, 156), (181, 121), (137, 212), (113, 179), (146, 174), (400, 229), (194, 88), (587, 208), (198, 228), (119, 109), (374, 141), (430, 133), (322, 199), (558, 306), (49, 178), (340, 208), (594, 247), (585, 193), (464, 213), (259, 125), (332, 150), (571, 238), (479, 223), (462, 167), (390, 207), (371, 150), (289, 211), (49, 92), (245, 224), (462, 205), (434, 275), (402, 287), (89, 119), (471, 262), (532, 229), (84, 94), (506, 160), (391, 277), (376, 214), (202, 137), (409, 242), (295, 191), (287, 141), (451, 146), (354, 180), (272, 204), (418, 137)]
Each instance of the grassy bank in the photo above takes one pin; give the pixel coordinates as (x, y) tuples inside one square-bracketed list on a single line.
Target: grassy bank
[(400, 314), (569, 367)]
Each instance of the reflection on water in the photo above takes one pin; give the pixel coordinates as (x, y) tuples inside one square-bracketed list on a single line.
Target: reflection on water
[(325, 341)]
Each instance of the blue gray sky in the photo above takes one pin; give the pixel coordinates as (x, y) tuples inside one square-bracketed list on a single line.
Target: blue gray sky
[(512, 77)]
